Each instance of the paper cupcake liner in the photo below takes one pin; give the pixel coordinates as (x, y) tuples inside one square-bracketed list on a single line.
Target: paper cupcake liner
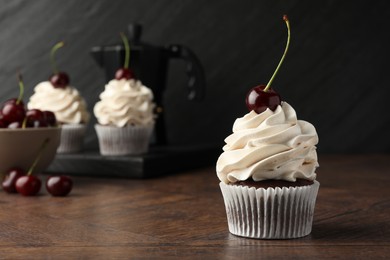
[(128, 140), (273, 213), (72, 138)]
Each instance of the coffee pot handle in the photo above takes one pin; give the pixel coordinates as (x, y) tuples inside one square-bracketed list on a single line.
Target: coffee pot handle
[(195, 72)]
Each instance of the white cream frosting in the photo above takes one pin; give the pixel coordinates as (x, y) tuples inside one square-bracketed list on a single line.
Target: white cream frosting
[(270, 145), (66, 103), (125, 102)]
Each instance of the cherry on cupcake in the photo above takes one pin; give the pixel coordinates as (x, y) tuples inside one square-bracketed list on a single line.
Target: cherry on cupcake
[(262, 97), (125, 72), (59, 185), (59, 79), (29, 184), (9, 181)]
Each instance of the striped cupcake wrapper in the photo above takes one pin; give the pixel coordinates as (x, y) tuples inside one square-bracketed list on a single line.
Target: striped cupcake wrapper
[(272, 213)]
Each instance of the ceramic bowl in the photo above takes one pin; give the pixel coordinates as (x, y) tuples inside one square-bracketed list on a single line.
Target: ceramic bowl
[(20, 147)]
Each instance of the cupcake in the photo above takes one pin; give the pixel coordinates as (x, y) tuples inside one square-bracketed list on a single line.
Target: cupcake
[(124, 113), (267, 174), (125, 117), (267, 169), (70, 110)]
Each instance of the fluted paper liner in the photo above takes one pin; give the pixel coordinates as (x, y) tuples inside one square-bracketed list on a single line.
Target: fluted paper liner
[(128, 140), (272, 213), (72, 138)]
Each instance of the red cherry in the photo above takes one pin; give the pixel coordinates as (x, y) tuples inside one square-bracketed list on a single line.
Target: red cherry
[(50, 118), (28, 185), (10, 179), (59, 80), (262, 97), (59, 185), (124, 73), (13, 111), (259, 100), (35, 118)]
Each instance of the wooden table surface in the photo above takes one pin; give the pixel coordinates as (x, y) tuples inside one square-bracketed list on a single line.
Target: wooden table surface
[(182, 216)]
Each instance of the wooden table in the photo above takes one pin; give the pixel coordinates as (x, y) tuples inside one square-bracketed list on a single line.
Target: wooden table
[(183, 216)]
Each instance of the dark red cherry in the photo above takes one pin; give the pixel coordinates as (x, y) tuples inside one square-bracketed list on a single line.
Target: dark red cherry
[(50, 118), (10, 179), (124, 73), (59, 80), (28, 185), (35, 118), (13, 111), (59, 185), (259, 100), (262, 97)]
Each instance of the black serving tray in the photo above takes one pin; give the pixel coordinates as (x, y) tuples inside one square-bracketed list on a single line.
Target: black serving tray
[(160, 160)]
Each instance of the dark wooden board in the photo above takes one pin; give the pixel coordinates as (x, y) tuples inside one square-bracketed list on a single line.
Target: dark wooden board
[(158, 161)]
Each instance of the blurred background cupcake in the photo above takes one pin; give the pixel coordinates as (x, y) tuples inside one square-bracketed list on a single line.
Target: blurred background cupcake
[(124, 113), (125, 116), (70, 110), (66, 103)]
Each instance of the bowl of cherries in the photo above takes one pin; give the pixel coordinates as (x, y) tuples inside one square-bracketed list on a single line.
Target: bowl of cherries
[(28, 138)]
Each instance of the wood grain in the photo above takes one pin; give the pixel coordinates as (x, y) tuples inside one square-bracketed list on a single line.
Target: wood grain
[(183, 216)]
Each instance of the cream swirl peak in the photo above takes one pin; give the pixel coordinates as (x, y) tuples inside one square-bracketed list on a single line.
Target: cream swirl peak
[(66, 103), (270, 145), (125, 102)]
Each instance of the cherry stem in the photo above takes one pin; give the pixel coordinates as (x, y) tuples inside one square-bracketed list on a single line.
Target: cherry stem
[(24, 123), (285, 18), (43, 146), (52, 56), (21, 89), (127, 50)]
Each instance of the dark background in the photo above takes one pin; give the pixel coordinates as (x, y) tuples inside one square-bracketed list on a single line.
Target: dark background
[(335, 74)]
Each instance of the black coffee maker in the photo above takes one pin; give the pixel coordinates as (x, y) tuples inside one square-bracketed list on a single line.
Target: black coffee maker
[(150, 65)]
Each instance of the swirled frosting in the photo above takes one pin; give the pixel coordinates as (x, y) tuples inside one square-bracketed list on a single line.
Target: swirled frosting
[(125, 102), (66, 103), (270, 145)]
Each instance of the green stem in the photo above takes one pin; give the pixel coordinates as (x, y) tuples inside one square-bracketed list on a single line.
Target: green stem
[(52, 55), (284, 54), (43, 146), (21, 89), (127, 50), (24, 123)]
